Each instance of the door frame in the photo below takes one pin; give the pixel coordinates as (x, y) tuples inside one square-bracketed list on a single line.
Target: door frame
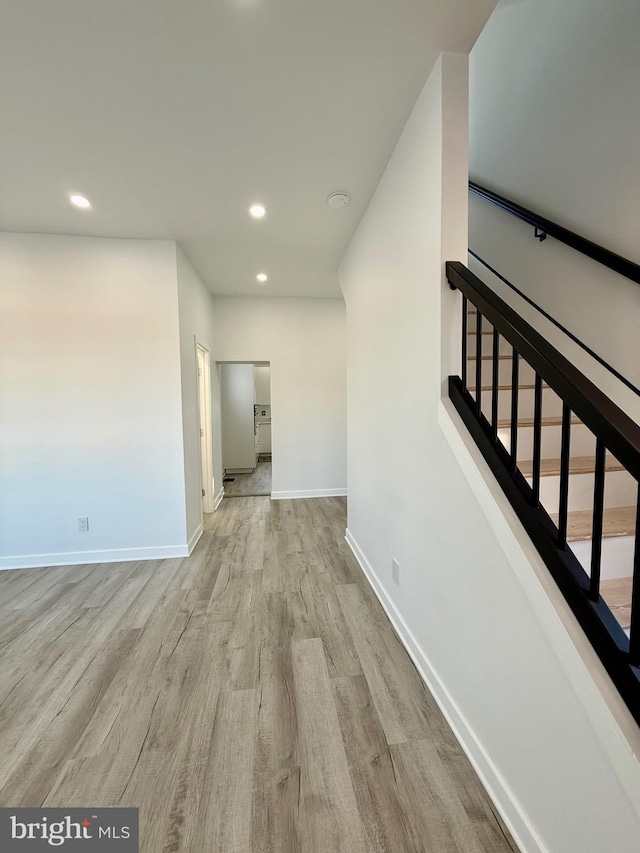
[(205, 436)]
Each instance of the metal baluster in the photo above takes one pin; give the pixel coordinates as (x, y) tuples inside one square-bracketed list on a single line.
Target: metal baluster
[(515, 364), (495, 383), (478, 363), (465, 306), (596, 529), (537, 438), (564, 477), (634, 633)]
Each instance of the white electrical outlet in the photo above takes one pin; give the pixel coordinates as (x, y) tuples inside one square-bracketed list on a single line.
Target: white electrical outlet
[(395, 571), (83, 523)]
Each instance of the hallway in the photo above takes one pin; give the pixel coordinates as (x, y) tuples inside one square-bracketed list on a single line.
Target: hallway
[(243, 485), (252, 697)]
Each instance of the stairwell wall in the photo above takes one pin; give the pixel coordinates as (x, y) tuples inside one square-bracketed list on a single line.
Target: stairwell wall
[(554, 124)]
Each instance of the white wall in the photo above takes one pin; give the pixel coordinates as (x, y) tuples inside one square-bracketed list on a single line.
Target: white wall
[(554, 125), (262, 384), (478, 622), (196, 326), (304, 341), (236, 402), (89, 400)]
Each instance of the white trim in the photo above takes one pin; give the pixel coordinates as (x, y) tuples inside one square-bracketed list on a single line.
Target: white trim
[(218, 499), (309, 493), (195, 538), (74, 558), (239, 470), (495, 784)]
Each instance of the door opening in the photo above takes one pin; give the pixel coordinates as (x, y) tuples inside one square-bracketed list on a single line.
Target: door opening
[(245, 402)]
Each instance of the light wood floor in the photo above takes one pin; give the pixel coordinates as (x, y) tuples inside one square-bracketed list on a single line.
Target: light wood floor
[(252, 697), (256, 483)]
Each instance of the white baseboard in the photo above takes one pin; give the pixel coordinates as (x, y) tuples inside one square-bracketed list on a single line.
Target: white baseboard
[(495, 785), (309, 493), (74, 558), (239, 471), (193, 541), (218, 499)]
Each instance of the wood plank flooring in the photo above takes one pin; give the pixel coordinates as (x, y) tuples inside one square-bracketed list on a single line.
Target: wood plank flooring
[(252, 698), (256, 483)]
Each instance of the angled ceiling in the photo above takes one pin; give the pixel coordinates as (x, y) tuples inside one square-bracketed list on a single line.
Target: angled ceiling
[(173, 117)]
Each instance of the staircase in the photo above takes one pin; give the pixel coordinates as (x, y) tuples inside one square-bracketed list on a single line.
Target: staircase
[(568, 460), (619, 517)]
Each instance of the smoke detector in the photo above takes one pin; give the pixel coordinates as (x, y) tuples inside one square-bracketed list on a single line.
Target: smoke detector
[(338, 199)]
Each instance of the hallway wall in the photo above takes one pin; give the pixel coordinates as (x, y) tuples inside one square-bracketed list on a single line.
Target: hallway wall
[(90, 406), (304, 341), (469, 605)]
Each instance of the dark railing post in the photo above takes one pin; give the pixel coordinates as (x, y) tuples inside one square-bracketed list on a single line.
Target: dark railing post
[(479, 363), (495, 383), (515, 382), (598, 514), (465, 308), (563, 508), (634, 630), (537, 439)]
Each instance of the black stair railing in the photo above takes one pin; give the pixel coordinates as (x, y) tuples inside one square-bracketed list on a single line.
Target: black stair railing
[(582, 401)]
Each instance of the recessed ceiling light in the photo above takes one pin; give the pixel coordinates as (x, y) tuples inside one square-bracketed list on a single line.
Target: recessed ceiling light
[(339, 199), (80, 201), (257, 211), (262, 276)]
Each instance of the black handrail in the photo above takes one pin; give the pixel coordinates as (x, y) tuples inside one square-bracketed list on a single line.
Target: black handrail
[(592, 250), (557, 324), (594, 408), (613, 431)]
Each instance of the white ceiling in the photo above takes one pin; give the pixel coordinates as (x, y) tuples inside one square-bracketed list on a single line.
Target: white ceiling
[(173, 116)]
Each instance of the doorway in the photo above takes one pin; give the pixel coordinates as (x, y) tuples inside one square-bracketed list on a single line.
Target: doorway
[(245, 402), (206, 433)]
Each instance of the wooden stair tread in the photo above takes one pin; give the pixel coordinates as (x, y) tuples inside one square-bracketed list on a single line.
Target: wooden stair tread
[(525, 387), (505, 423), (502, 387), (489, 357), (617, 593), (577, 465), (617, 521)]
